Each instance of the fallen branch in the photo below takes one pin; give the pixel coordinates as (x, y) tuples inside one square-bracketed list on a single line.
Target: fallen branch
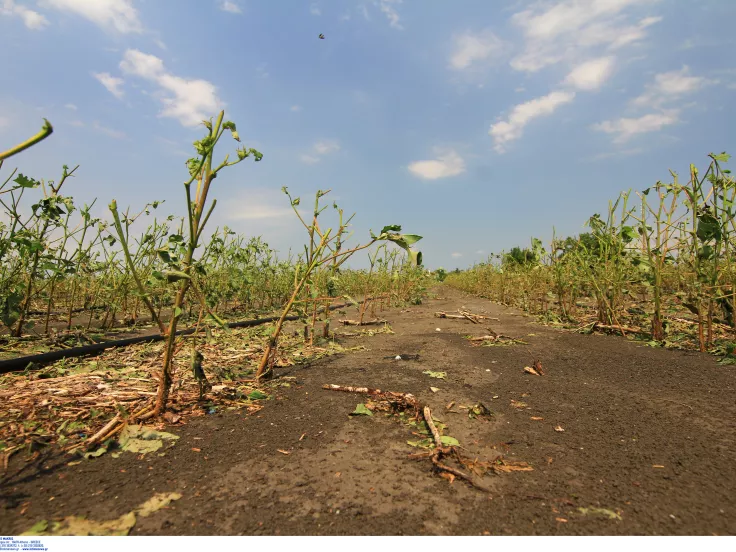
[(405, 399), (619, 328), (440, 451), (364, 323)]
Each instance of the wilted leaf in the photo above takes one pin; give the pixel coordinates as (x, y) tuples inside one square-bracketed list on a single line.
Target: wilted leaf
[(99, 452), (434, 389), (592, 511), (82, 527), (437, 375), (156, 502), (361, 410), (142, 440), (39, 528), (559, 429)]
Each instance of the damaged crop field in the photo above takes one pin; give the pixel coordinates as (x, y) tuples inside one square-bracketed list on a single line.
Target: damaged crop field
[(415, 431), (157, 379)]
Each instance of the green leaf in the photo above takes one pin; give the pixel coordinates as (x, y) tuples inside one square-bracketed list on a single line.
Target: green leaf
[(361, 410), (163, 254), (721, 157), (257, 395), (708, 228), (229, 125), (175, 275), (391, 228), (449, 441), (26, 181), (411, 238)]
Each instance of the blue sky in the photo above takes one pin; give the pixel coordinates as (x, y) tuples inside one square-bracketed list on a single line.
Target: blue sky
[(476, 124)]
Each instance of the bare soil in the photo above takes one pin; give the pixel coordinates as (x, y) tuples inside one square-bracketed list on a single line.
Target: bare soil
[(647, 448)]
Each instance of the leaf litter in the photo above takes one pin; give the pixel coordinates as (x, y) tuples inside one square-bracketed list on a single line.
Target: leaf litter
[(81, 526)]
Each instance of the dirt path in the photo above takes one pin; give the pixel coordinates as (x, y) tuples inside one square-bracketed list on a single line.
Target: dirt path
[(626, 409)]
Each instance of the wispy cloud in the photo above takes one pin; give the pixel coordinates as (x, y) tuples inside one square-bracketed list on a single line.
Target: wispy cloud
[(118, 15), (456, 255), (309, 159), (114, 85), (475, 48), (388, 8), (31, 19), (187, 100), (446, 164), (326, 146), (71, 107), (314, 10), (295, 108), (625, 128), (567, 30), (591, 75), (670, 86), (230, 7), (318, 150), (585, 36), (663, 98), (521, 115)]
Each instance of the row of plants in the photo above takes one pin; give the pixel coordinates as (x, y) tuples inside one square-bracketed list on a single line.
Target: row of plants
[(59, 262), (663, 256)]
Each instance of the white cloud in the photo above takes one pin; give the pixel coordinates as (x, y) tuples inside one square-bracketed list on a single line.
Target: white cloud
[(119, 15), (625, 128), (570, 29), (71, 106), (670, 86), (591, 75), (230, 7), (664, 96), (295, 108), (456, 255), (4, 122), (447, 163), (308, 159), (511, 129), (325, 147), (471, 48), (388, 9), (113, 84), (31, 19), (318, 150), (188, 100), (314, 10)]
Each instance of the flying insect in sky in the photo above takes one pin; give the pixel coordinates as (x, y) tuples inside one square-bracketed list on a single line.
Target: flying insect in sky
[(321, 36)]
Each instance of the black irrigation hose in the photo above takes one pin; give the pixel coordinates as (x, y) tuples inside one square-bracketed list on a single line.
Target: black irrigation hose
[(21, 363)]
